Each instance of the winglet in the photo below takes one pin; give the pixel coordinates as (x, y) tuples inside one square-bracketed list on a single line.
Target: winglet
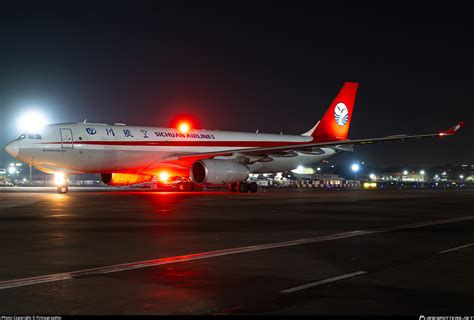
[(451, 130)]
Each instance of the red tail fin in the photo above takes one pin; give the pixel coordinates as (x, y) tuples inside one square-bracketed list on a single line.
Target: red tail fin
[(335, 123)]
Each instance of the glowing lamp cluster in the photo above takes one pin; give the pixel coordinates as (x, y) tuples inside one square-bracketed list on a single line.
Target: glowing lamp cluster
[(303, 170)]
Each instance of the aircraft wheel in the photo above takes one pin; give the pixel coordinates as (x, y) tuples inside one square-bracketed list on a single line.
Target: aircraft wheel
[(233, 187), (187, 187), (243, 187), (197, 187), (253, 187), (63, 189)]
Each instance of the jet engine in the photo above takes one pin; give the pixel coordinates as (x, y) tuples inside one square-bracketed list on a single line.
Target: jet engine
[(215, 171), (124, 179)]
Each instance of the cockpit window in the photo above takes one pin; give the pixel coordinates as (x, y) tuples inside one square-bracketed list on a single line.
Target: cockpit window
[(29, 136)]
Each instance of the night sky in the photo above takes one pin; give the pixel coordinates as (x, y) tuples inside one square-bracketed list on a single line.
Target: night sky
[(246, 66)]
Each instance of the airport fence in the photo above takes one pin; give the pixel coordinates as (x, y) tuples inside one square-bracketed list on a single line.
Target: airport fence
[(325, 184)]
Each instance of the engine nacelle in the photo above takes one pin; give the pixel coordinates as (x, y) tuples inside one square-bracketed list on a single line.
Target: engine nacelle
[(124, 179), (218, 171)]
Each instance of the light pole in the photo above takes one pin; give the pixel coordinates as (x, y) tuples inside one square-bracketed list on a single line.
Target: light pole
[(422, 172)]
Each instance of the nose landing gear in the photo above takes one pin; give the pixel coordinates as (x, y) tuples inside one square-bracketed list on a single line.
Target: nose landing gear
[(63, 189), (60, 181)]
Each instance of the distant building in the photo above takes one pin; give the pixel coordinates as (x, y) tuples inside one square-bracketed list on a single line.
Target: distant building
[(332, 179)]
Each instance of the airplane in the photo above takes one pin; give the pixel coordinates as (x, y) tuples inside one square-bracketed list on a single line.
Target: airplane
[(127, 155)]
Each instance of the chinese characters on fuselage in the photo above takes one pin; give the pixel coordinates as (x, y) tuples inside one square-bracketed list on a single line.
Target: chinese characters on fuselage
[(127, 133)]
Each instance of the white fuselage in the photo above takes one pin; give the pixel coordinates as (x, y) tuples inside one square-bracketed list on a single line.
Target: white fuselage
[(101, 148)]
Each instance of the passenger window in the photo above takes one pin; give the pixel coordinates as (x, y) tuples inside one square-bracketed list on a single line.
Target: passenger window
[(31, 136), (37, 136)]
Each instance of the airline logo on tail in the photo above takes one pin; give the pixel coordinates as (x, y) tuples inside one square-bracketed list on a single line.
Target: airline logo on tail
[(341, 114), (335, 123)]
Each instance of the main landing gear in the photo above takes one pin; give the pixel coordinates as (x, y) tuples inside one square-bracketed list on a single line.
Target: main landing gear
[(189, 186), (243, 187)]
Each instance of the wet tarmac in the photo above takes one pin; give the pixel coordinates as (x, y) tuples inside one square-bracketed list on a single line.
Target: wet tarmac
[(274, 252)]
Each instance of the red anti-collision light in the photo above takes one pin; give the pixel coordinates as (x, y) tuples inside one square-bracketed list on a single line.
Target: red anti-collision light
[(184, 127)]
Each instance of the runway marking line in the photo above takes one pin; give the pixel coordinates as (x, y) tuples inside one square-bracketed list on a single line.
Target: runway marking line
[(456, 248), (7, 284), (325, 281)]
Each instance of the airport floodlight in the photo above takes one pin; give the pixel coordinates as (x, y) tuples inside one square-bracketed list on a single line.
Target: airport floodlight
[(31, 121), (422, 172), (372, 176), (11, 170), (405, 172), (355, 167)]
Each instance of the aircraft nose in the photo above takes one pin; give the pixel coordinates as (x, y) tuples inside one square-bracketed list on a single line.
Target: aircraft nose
[(13, 149)]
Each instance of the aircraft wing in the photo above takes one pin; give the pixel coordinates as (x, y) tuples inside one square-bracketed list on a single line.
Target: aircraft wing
[(186, 159)]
